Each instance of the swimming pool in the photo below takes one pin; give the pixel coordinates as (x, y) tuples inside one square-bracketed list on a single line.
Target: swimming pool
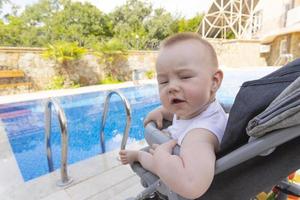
[(24, 122)]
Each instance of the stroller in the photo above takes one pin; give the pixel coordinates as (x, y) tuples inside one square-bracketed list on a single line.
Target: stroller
[(244, 169)]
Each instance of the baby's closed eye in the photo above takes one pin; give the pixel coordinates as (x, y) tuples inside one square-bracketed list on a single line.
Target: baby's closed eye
[(187, 76), (163, 82)]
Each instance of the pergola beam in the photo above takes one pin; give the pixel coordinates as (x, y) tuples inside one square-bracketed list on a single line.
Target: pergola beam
[(235, 16)]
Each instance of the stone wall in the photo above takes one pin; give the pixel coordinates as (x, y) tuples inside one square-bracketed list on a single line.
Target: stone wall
[(89, 71), (41, 70), (231, 53), (238, 53), (144, 60)]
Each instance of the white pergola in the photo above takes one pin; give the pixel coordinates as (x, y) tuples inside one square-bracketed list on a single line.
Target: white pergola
[(229, 17)]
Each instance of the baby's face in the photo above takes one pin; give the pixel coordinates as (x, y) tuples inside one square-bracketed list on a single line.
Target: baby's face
[(185, 78)]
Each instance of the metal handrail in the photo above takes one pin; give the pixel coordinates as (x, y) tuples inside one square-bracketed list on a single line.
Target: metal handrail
[(128, 119), (65, 180)]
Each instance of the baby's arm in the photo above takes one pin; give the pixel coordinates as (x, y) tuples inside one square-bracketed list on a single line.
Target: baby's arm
[(191, 173), (157, 115)]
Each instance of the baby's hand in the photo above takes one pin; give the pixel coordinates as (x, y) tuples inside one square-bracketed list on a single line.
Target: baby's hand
[(155, 116), (166, 147)]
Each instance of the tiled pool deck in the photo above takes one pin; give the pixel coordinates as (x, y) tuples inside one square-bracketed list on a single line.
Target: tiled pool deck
[(101, 177)]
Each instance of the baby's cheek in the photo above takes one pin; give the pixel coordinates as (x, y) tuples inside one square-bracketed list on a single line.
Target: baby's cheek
[(201, 97), (163, 99), (161, 95)]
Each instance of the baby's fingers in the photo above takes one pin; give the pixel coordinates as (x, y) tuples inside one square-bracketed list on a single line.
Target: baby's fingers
[(154, 146), (146, 121), (159, 124), (168, 146), (151, 151)]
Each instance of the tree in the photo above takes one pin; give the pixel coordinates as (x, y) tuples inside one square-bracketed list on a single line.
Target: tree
[(190, 25), (16, 32), (2, 2), (48, 21), (159, 26), (127, 22), (41, 13), (10, 34), (134, 25), (82, 23), (30, 28)]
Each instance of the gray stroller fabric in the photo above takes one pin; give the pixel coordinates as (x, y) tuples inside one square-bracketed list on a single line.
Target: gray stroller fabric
[(283, 112)]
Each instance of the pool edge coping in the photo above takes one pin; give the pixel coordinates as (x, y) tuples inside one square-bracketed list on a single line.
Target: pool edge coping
[(9, 161), (7, 99)]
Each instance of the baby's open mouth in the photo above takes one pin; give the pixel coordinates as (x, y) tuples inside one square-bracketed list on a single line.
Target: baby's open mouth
[(176, 101)]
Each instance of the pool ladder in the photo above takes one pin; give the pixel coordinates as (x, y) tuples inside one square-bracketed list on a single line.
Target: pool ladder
[(128, 119), (65, 180)]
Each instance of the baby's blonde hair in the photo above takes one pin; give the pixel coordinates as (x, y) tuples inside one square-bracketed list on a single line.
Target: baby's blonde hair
[(173, 39)]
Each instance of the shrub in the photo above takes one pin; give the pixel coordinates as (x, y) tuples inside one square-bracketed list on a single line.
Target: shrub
[(113, 56), (58, 82), (63, 52), (110, 80), (112, 46)]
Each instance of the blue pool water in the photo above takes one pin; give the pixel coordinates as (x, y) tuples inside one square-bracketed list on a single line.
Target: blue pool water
[(24, 122)]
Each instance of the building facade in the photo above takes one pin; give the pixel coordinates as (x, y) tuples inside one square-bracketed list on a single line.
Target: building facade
[(274, 23), (278, 30)]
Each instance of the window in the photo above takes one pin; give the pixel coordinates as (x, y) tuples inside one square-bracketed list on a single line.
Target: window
[(257, 21), (283, 47)]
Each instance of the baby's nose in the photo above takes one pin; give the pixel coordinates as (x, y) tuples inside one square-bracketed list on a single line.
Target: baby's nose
[(173, 87)]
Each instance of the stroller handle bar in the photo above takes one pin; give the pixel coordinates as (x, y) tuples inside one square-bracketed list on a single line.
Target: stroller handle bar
[(256, 147)]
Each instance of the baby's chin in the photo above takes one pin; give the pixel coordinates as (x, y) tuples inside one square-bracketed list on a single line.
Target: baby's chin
[(187, 116)]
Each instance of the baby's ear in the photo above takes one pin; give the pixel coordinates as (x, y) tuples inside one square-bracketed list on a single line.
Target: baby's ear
[(217, 80)]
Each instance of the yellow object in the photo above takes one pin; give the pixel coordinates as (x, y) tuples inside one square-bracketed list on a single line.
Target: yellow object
[(11, 73), (15, 73), (296, 178), (14, 85), (262, 196)]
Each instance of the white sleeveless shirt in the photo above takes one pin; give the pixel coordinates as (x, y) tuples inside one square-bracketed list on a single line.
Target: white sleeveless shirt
[(213, 119)]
